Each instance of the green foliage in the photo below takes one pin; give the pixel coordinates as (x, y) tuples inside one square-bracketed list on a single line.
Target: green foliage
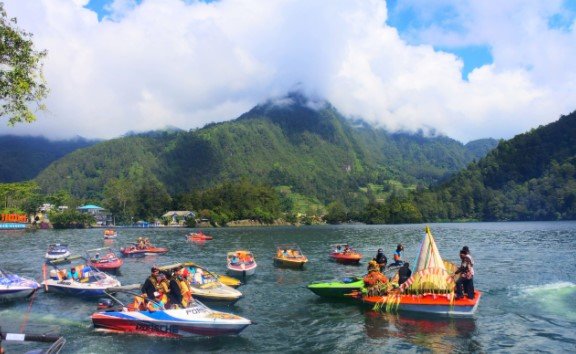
[(21, 79), (70, 219), (18, 195)]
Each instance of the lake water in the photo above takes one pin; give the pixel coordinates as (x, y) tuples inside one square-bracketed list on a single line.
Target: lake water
[(527, 272)]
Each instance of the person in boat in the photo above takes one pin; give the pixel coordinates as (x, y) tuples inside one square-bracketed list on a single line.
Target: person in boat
[(73, 274), (158, 303), (338, 249), (398, 256), (375, 282), (381, 259), (404, 273), (155, 282), (180, 293), (347, 249), (465, 283)]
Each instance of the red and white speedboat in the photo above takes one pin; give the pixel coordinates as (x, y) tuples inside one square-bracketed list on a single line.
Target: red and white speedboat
[(110, 234), (104, 259), (241, 263), (194, 320), (198, 236)]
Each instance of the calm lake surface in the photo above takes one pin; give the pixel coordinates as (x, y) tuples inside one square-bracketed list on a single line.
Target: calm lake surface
[(526, 270)]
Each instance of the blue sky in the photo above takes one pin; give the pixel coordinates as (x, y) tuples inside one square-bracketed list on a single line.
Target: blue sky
[(465, 68)]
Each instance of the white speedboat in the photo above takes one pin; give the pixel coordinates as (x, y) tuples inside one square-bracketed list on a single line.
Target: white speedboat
[(73, 276), (241, 263), (13, 286), (57, 250), (194, 320)]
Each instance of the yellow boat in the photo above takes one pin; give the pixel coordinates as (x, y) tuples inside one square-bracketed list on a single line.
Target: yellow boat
[(290, 255)]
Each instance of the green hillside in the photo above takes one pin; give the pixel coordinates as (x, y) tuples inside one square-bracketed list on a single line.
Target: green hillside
[(530, 177)]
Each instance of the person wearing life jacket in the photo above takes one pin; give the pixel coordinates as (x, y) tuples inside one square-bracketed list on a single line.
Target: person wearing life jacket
[(375, 282), (397, 256), (180, 293), (158, 303), (155, 282), (139, 303)]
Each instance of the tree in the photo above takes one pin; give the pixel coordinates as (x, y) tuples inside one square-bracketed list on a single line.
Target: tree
[(21, 78)]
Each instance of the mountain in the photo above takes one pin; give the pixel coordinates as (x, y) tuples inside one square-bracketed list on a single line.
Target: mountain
[(23, 157), (529, 177), (296, 142)]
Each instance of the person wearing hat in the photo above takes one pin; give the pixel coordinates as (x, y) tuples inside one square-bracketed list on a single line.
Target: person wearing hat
[(375, 281), (398, 256), (152, 283), (158, 303)]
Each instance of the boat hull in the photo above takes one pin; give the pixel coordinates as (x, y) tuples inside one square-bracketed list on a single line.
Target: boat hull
[(431, 304), (297, 263), (353, 258), (336, 289), (240, 272), (143, 252), (195, 321), (13, 293), (109, 266)]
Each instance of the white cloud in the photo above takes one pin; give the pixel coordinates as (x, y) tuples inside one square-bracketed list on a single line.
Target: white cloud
[(185, 64)]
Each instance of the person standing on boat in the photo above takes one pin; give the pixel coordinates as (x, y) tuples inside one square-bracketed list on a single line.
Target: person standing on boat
[(404, 273), (381, 259), (375, 282), (398, 256), (465, 284)]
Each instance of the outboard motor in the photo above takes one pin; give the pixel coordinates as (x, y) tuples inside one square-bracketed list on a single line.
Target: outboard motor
[(105, 303)]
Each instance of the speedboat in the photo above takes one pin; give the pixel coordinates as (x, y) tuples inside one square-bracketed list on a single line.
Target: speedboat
[(110, 234), (135, 250), (337, 288), (76, 278), (13, 286), (57, 250), (205, 285), (343, 253), (104, 259), (194, 320), (290, 256), (198, 236), (240, 263)]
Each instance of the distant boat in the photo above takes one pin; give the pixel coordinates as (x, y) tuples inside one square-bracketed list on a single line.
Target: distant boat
[(240, 263), (135, 250), (110, 234), (343, 253), (290, 255), (198, 236), (57, 250), (104, 259)]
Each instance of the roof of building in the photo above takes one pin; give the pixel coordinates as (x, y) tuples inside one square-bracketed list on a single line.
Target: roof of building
[(90, 206)]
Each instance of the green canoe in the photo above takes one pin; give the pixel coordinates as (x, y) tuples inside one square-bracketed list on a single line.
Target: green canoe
[(337, 288)]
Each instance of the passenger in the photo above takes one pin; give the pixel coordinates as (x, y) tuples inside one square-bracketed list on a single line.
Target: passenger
[(179, 290), (381, 259), (346, 249), (152, 283), (465, 284), (338, 249), (199, 276), (139, 303), (73, 275), (398, 256), (376, 283), (158, 303), (235, 259), (404, 273)]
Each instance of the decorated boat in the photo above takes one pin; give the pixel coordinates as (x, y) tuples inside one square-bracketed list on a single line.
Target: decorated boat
[(194, 320), (56, 251), (337, 288), (290, 255), (104, 259), (110, 234), (198, 236), (73, 276), (430, 289), (240, 263), (205, 285), (343, 253), (135, 249), (14, 286)]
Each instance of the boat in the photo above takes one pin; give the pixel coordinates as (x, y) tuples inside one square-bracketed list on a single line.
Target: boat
[(104, 259), (110, 234), (194, 320), (205, 285), (240, 263), (429, 290), (290, 255), (89, 281), (198, 236), (57, 250), (337, 288), (134, 249), (13, 286), (343, 253)]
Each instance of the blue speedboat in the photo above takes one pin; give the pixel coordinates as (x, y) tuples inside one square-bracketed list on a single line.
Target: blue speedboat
[(13, 286)]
